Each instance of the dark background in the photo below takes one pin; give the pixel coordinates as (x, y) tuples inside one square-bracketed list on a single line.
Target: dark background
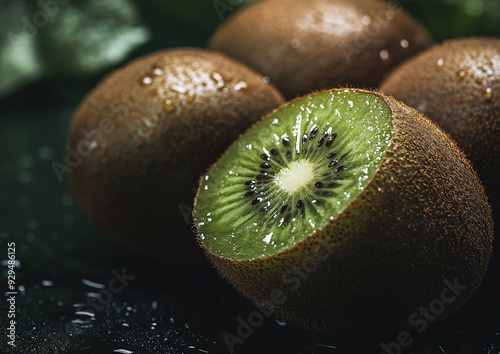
[(63, 261)]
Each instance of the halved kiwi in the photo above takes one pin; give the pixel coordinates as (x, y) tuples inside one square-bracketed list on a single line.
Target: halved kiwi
[(140, 140), (306, 45), (345, 211)]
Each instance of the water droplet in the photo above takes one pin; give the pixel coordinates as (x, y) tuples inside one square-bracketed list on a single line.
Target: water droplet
[(404, 43), (169, 106), (30, 237), (93, 284), (440, 62), (281, 323), (47, 283), (295, 43), (389, 15), (266, 79), (461, 75), (24, 177), (146, 80), (44, 153), (67, 200), (366, 20), (157, 71), (384, 54), (32, 224), (191, 98), (26, 161), (178, 88), (240, 86), (488, 93), (219, 81)]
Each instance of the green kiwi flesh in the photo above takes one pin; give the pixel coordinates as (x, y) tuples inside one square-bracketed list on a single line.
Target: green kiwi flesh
[(457, 85), (145, 135), (290, 181), (317, 44), (376, 251)]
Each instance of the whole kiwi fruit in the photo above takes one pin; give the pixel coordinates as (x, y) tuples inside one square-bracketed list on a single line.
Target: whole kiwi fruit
[(346, 211), (457, 85), (305, 45), (141, 139)]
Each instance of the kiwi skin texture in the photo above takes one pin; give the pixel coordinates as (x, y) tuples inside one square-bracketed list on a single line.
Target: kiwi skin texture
[(306, 45), (165, 131), (422, 219), (462, 96)]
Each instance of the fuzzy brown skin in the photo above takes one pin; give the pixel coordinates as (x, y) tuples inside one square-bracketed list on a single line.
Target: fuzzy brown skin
[(304, 45), (421, 220), (165, 132), (454, 95)]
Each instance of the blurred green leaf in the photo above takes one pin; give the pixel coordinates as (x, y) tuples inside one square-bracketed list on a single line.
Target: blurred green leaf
[(457, 18), (64, 38)]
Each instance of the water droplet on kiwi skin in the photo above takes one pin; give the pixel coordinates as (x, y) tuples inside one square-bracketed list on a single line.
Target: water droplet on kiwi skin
[(169, 106), (461, 75), (488, 94)]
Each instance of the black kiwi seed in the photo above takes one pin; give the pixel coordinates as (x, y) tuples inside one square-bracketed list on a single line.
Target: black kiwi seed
[(318, 184), (300, 204), (313, 133), (264, 157), (248, 194), (249, 183), (265, 165), (286, 141), (339, 169), (330, 140), (264, 208), (261, 176), (288, 154), (256, 200), (320, 141), (332, 154), (333, 163), (274, 152), (304, 138), (284, 208)]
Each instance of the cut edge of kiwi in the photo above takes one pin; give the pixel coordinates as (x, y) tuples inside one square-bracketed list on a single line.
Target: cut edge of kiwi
[(333, 154)]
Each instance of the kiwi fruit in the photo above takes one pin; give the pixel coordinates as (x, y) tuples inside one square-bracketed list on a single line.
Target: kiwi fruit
[(306, 45), (346, 211), (141, 139), (457, 85)]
